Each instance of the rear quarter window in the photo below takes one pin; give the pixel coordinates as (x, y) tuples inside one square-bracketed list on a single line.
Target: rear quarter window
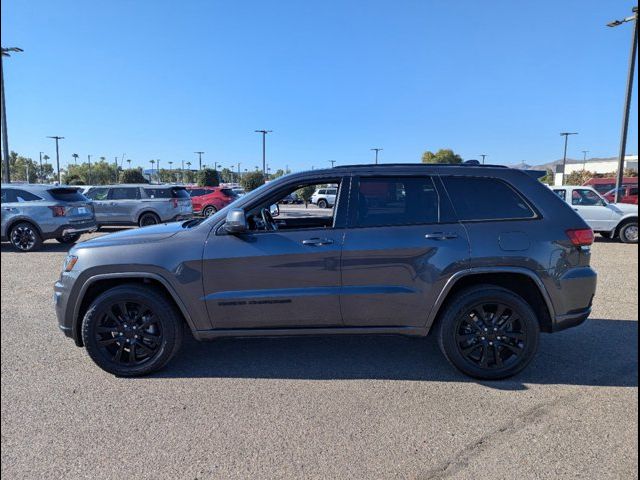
[(483, 198)]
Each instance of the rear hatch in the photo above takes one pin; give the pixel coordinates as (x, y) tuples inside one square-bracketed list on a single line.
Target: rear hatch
[(182, 200), (71, 204)]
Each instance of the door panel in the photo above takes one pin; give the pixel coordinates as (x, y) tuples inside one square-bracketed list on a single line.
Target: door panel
[(273, 279), (392, 276)]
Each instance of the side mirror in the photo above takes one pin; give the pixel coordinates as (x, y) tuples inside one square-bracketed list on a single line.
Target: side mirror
[(236, 221), (274, 210)]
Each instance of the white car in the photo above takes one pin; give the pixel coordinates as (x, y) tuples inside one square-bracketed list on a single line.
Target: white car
[(611, 220), (325, 197)]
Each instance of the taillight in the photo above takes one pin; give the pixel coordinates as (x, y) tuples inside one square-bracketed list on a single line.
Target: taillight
[(58, 211), (582, 237)]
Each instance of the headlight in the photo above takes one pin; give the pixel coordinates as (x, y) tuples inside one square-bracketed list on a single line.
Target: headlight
[(69, 263)]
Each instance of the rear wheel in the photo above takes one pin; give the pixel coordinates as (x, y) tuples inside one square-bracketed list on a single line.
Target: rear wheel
[(148, 219), (488, 332), (209, 210), (132, 330), (25, 237), (322, 203), (629, 232), (68, 239)]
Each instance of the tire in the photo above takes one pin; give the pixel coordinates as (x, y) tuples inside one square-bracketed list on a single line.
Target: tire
[(68, 239), (148, 219), (322, 203), (628, 232), (484, 345), (209, 210), (134, 343), (25, 237)]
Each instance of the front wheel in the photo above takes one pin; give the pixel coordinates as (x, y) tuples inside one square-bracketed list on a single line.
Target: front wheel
[(322, 204), (488, 332), (629, 232), (131, 330), (68, 239)]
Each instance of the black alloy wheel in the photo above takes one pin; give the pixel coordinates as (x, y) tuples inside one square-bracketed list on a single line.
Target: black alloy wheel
[(25, 237)]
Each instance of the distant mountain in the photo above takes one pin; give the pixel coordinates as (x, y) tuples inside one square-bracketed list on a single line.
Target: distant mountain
[(552, 165)]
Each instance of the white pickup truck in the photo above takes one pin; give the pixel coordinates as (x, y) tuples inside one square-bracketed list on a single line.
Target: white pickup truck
[(611, 220)]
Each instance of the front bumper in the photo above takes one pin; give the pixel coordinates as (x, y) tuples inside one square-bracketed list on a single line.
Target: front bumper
[(63, 303)]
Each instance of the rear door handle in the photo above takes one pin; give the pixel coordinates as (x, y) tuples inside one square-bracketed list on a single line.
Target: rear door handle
[(441, 236), (317, 242)]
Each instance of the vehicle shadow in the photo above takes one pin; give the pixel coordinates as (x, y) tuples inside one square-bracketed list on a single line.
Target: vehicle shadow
[(53, 246), (598, 353)]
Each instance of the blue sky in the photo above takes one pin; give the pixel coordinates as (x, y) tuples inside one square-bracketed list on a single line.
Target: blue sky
[(162, 79)]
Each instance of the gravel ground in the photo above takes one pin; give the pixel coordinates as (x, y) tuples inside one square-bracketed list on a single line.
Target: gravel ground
[(344, 407)]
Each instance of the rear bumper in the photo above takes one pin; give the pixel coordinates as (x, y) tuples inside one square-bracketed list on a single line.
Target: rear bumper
[(72, 229), (570, 320), (574, 294)]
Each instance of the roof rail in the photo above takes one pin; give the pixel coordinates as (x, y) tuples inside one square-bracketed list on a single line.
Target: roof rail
[(468, 163)]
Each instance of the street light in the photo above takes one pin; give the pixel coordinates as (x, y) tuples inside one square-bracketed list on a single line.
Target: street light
[(584, 159), (483, 155), (627, 101), (57, 138), (564, 158), (6, 177), (199, 159), (333, 163), (376, 150), (264, 149)]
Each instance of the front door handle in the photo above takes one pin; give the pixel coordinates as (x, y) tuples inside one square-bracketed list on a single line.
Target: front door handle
[(441, 236), (317, 242)]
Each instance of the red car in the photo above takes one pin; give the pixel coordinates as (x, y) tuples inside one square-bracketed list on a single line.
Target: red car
[(628, 194), (208, 200)]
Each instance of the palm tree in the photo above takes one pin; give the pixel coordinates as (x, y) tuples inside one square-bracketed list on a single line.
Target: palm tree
[(103, 159), (171, 170), (152, 162), (129, 162), (75, 158), (189, 169)]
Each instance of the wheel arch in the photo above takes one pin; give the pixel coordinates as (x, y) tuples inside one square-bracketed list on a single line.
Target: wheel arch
[(14, 221), (145, 211), (521, 281), (99, 284), (625, 220)]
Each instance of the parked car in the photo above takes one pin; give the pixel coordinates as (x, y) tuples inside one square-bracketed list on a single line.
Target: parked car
[(325, 197), (239, 192), (208, 200), (485, 273), (32, 214), (292, 199), (141, 205), (628, 194), (604, 185), (610, 220)]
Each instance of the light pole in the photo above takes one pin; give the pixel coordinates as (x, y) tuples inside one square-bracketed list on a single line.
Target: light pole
[(333, 163), (564, 158), (264, 149), (57, 138), (199, 159), (41, 178), (584, 159), (376, 150), (627, 102), (89, 160), (483, 155), (152, 162), (6, 177)]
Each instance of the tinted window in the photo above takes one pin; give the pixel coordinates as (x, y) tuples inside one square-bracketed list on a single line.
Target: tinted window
[(8, 195), (396, 201), (604, 187), (124, 193), (67, 195), (332, 191), (179, 193), (157, 192), (562, 194), (585, 198), (227, 192), (98, 193), (24, 196), (633, 191), (321, 192), (198, 192), (476, 198)]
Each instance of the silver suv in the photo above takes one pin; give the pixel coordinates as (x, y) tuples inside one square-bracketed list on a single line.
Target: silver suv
[(140, 205), (34, 213)]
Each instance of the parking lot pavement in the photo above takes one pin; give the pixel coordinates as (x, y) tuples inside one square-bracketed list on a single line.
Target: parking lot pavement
[(343, 407)]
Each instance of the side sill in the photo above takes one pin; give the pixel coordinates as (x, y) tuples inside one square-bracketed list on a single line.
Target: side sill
[(292, 332)]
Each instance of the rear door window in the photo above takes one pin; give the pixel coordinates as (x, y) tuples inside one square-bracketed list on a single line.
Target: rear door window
[(483, 198), (124, 193), (395, 201), (24, 196)]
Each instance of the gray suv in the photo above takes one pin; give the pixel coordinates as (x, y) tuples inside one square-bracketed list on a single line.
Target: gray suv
[(484, 257), (141, 205), (34, 213)]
